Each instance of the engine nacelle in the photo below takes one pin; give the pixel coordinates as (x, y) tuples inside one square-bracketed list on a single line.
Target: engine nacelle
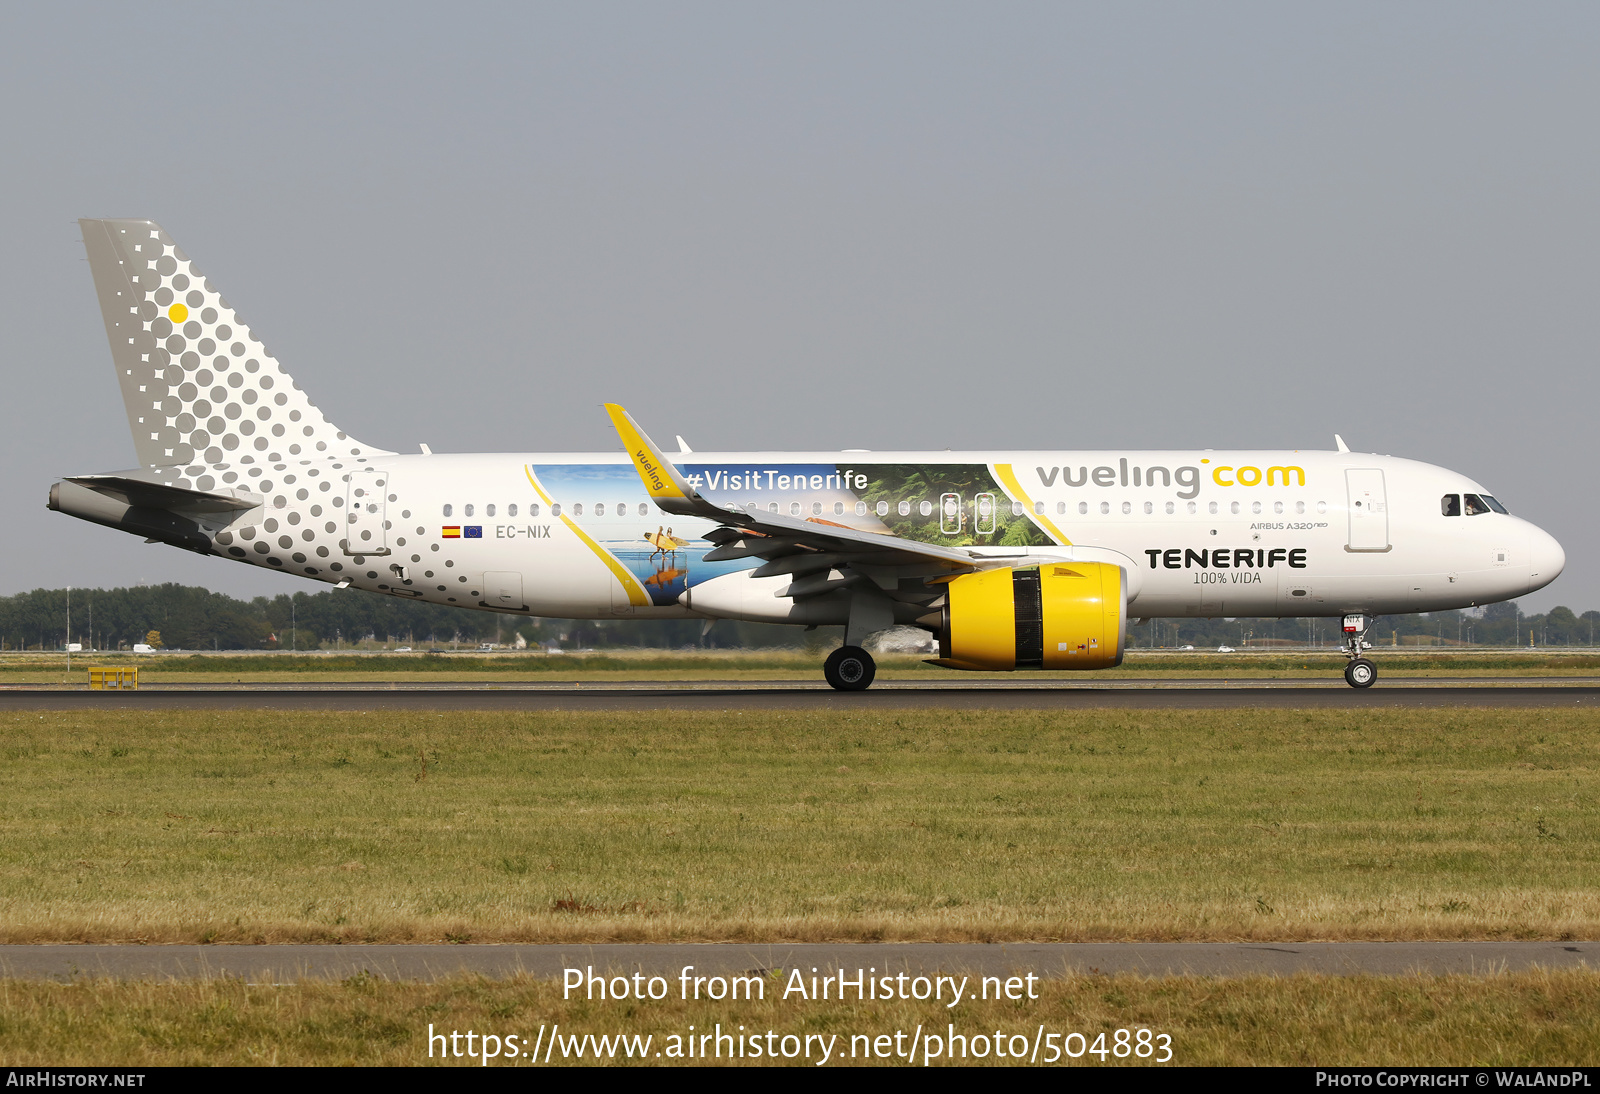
[(1059, 615)]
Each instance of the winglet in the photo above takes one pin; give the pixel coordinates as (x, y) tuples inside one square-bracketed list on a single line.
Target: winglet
[(666, 487), (1338, 440)]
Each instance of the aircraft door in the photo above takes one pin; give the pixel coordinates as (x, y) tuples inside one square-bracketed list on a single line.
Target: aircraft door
[(366, 506), (950, 515), (1368, 509), (984, 514)]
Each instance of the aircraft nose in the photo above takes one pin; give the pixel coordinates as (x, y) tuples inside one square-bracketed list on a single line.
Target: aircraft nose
[(1546, 559)]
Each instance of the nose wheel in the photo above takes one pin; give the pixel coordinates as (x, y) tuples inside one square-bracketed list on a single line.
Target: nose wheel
[(1359, 673), (849, 668)]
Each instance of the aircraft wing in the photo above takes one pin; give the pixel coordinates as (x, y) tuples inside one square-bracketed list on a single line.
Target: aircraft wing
[(806, 549)]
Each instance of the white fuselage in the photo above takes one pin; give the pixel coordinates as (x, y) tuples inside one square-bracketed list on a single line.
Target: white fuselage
[(574, 535)]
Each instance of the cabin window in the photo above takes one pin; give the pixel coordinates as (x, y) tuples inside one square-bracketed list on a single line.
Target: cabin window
[(925, 508), (1450, 505), (1322, 507), (794, 509), (511, 510), (1105, 507), (1299, 507), (1127, 508), (1191, 508), (816, 508), (1171, 508), (1016, 508), (577, 508), (861, 508), (1149, 508), (1255, 507), (555, 509), (1234, 508), (1277, 507), (1474, 505), (1061, 508), (1083, 508), (1038, 508), (449, 510), (838, 508), (533, 510), (883, 509), (772, 507), (905, 509), (1213, 508), (599, 509), (488, 510)]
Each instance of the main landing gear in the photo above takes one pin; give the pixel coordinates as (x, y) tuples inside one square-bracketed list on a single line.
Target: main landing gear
[(849, 668), (1359, 673)]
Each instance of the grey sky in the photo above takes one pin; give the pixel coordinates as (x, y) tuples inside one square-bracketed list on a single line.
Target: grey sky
[(817, 226)]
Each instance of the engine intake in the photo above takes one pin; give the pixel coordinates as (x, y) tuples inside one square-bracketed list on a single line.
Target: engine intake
[(1058, 615)]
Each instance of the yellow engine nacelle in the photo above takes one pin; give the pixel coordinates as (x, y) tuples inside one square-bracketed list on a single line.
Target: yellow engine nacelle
[(1061, 615)]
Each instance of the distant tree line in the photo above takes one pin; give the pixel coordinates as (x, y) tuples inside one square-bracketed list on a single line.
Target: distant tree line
[(192, 618)]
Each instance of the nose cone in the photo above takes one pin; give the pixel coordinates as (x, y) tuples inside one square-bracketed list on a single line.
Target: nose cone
[(1546, 559)]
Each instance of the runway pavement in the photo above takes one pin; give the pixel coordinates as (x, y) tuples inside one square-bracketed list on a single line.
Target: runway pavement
[(789, 695), (282, 964)]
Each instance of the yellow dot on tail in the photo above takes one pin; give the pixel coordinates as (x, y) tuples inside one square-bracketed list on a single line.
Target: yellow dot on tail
[(177, 313)]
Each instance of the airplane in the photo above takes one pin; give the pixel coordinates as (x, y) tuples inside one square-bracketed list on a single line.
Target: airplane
[(1010, 559)]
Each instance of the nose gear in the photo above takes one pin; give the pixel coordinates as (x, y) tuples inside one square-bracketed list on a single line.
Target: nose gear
[(1360, 672)]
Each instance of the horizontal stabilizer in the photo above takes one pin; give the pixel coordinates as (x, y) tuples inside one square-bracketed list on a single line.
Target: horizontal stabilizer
[(160, 495)]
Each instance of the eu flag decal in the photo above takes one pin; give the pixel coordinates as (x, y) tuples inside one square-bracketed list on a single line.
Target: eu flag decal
[(472, 531)]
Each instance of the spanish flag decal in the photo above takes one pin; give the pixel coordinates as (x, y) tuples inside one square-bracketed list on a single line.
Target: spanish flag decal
[(452, 531)]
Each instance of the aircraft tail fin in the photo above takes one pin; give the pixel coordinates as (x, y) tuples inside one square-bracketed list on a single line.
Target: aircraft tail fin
[(198, 385)]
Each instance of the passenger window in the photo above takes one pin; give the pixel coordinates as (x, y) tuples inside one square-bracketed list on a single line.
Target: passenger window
[(883, 509), (1495, 505), (449, 510), (794, 509), (533, 510), (1277, 507), (488, 510), (772, 507), (1255, 507), (599, 509), (1213, 508), (1148, 509), (816, 508), (1191, 508), (555, 509), (1474, 505), (905, 509), (577, 509), (1061, 508), (1038, 508), (467, 510), (1127, 508), (1234, 508), (1105, 507), (1083, 508), (511, 510), (925, 508), (1299, 507), (1016, 508), (1450, 505), (1171, 508), (861, 508), (1322, 507)]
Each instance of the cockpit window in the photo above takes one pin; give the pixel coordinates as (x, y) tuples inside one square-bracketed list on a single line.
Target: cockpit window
[(1495, 505), (1476, 506), (1450, 505)]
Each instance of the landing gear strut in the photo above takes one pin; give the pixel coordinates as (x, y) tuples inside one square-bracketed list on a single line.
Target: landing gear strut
[(849, 668), (1359, 673)]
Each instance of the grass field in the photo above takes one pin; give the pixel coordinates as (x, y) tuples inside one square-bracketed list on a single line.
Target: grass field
[(1535, 1018), (614, 665), (273, 826)]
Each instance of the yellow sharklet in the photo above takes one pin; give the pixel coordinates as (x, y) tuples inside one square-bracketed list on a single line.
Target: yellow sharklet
[(659, 478)]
